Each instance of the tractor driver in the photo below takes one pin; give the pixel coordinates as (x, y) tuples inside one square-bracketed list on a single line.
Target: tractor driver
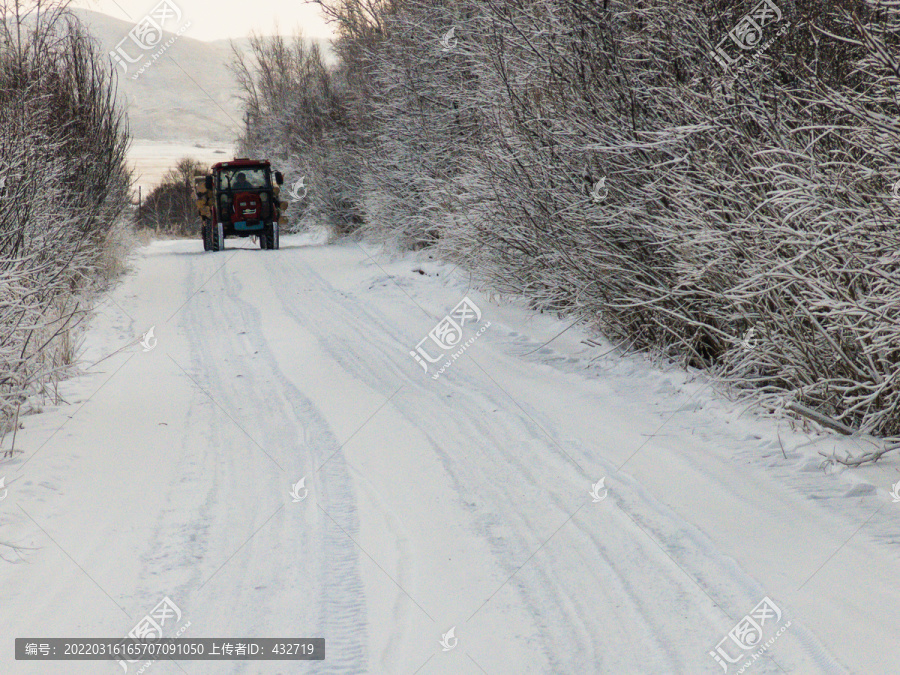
[(241, 182)]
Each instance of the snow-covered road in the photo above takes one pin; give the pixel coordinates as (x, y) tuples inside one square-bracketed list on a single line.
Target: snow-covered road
[(465, 503)]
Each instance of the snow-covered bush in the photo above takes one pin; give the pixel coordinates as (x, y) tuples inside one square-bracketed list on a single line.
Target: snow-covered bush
[(64, 186), (595, 158), (298, 116)]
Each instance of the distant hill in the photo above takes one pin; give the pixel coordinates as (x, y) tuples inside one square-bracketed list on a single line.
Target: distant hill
[(188, 95)]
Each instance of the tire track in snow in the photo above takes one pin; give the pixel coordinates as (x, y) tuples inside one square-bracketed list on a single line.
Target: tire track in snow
[(341, 597), (537, 601), (693, 553), (286, 423)]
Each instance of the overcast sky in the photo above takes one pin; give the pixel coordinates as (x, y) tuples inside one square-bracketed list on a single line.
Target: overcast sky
[(219, 19)]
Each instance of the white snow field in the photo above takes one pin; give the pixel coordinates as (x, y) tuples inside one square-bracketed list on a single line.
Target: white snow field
[(459, 503)]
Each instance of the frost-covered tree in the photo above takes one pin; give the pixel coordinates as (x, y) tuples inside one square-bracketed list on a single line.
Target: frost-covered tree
[(597, 159), (63, 186)]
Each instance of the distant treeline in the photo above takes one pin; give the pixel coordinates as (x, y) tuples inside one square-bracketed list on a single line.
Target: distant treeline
[(171, 206), (711, 181)]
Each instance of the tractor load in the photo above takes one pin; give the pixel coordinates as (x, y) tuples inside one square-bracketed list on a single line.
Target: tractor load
[(240, 198)]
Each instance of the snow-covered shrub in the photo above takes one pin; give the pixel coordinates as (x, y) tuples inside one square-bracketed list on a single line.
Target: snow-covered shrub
[(299, 117), (64, 186), (594, 158)]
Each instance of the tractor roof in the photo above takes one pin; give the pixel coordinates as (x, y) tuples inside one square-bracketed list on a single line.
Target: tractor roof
[(239, 162)]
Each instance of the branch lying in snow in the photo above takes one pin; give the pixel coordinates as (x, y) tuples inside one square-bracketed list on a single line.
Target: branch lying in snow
[(865, 458), (816, 416), (832, 458)]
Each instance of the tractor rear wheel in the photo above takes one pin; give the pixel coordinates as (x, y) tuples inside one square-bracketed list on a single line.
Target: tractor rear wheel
[(218, 237), (204, 233), (268, 236)]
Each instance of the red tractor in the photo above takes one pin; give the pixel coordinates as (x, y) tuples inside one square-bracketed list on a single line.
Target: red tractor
[(240, 199)]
